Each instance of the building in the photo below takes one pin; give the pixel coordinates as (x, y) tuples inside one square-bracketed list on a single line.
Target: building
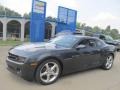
[(18, 28)]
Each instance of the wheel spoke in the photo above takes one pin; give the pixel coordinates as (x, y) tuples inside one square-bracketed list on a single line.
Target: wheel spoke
[(47, 66), (43, 74), (48, 77), (54, 74), (50, 72), (109, 62), (53, 67), (109, 58)]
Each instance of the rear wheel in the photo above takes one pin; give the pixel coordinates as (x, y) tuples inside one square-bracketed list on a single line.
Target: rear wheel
[(109, 62), (48, 72)]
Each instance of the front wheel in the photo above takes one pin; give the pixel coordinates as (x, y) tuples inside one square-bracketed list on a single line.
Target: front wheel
[(108, 63), (48, 72)]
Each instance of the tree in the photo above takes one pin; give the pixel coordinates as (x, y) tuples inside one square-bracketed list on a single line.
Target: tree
[(114, 33), (96, 29), (82, 26), (2, 12), (107, 30), (26, 15), (51, 18), (89, 30), (7, 12), (78, 25)]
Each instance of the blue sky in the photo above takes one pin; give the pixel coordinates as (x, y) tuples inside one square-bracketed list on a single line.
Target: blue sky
[(91, 12)]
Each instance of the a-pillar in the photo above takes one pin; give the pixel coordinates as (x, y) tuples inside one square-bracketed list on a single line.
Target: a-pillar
[(22, 30)]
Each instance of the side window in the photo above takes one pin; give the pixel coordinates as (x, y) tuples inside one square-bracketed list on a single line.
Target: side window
[(88, 43), (108, 38), (99, 43), (102, 37), (92, 43), (84, 42)]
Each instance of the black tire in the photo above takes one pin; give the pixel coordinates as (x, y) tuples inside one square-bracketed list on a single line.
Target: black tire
[(37, 76), (108, 67), (118, 50)]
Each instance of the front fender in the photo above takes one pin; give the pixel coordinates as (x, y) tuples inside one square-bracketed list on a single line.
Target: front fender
[(44, 57)]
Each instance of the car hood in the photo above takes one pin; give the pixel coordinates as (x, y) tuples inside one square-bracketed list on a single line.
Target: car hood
[(30, 49)]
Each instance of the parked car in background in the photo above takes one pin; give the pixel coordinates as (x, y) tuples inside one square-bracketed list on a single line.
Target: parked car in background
[(109, 40), (118, 40), (46, 62), (68, 32)]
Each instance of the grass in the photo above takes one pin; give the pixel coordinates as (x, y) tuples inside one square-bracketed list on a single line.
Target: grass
[(10, 43)]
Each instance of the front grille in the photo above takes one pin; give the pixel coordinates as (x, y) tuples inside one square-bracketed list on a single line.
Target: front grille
[(13, 57)]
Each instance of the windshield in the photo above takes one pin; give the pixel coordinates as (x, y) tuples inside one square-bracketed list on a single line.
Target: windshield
[(108, 38), (64, 41)]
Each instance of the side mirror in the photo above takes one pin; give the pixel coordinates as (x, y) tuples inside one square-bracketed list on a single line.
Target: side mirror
[(80, 46)]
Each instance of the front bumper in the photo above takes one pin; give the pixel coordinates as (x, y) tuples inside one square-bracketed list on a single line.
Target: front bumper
[(24, 70)]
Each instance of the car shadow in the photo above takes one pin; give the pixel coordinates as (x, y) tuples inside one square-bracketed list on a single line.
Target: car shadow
[(74, 74), (20, 80)]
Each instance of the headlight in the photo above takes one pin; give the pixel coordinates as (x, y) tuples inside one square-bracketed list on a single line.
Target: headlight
[(21, 59)]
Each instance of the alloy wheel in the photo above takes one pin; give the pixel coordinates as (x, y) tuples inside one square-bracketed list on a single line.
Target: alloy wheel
[(109, 62), (49, 72)]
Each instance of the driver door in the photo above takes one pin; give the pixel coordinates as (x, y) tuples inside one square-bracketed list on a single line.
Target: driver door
[(89, 55)]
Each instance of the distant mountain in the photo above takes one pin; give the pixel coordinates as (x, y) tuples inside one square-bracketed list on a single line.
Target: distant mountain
[(9, 12)]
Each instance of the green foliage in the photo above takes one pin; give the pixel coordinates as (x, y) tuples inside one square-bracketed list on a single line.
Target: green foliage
[(114, 33), (91, 30), (78, 25), (51, 18), (96, 29), (27, 16), (82, 26), (10, 43), (8, 12), (2, 11)]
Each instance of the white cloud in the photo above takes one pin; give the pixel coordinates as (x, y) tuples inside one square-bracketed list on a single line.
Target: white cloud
[(85, 13), (52, 6), (104, 16), (103, 19), (20, 6), (23, 6)]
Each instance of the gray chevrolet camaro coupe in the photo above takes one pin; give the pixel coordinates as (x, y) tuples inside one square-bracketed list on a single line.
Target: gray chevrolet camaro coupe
[(46, 62)]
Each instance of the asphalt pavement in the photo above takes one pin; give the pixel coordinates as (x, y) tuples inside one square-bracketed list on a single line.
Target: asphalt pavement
[(96, 79)]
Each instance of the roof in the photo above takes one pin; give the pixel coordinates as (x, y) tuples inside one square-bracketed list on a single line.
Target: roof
[(87, 37), (2, 16)]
